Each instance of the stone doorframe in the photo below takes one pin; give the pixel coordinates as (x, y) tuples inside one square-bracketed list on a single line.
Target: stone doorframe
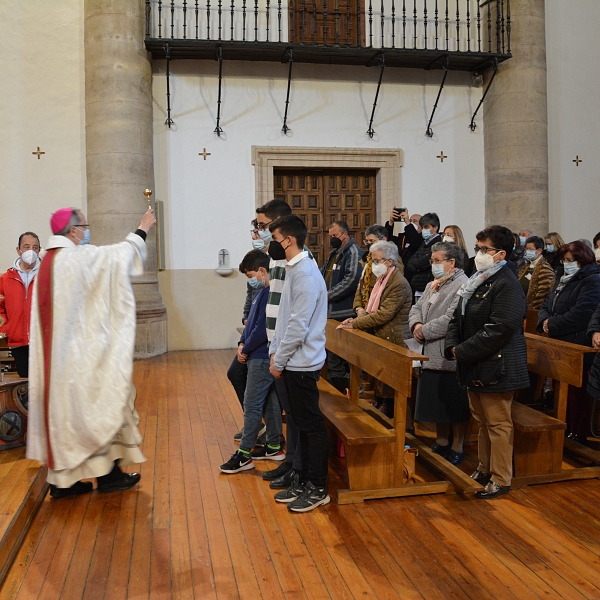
[(387, 162)]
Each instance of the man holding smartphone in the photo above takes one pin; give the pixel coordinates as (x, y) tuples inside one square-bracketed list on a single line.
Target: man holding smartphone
[(410, 239)]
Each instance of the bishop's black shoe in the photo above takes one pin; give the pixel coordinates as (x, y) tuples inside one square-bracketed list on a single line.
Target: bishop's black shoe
[(81, 487), (125, 482)]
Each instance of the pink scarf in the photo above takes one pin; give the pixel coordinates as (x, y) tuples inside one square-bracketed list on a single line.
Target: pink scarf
[(378, 288)]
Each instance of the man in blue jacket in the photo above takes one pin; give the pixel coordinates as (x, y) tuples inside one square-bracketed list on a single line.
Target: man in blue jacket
[(260, 390), (341, 272)]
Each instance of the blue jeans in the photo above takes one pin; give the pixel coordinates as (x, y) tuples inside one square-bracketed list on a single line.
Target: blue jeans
[(260, 394)]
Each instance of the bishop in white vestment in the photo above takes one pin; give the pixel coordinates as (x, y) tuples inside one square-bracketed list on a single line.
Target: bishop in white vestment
[(82, 419)]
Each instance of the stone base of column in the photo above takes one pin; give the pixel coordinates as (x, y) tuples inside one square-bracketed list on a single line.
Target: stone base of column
[(151, 331)]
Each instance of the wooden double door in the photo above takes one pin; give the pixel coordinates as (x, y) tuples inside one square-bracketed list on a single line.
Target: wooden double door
[(321, 197)]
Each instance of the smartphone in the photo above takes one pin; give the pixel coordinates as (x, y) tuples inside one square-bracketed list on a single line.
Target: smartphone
[(399, 210)]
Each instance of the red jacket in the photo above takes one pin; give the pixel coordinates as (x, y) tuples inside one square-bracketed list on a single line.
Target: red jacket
[(15, 308)]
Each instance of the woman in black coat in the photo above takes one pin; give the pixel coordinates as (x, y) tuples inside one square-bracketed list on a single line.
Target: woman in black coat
[(565, 315), (485, 336)]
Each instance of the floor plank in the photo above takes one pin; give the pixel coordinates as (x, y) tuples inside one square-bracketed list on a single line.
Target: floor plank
[(190, 532)]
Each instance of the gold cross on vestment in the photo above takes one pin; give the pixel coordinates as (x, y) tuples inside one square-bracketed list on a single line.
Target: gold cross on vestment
[(205, 153), (441, 156), (38, 152), (577, 160)]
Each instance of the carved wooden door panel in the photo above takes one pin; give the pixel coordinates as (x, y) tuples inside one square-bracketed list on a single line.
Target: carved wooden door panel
[(303, 191), (321, 197)]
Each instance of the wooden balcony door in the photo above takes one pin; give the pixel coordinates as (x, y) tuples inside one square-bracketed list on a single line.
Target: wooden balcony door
[(340, 22), (321, 197)]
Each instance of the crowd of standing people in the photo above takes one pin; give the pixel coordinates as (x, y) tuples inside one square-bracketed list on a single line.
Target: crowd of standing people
[(465, 313)]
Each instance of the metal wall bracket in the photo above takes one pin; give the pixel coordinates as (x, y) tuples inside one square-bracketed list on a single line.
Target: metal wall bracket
[(429, 131), (169, 121), (473, 125), (289, 58), (218, 129), (379, 58)]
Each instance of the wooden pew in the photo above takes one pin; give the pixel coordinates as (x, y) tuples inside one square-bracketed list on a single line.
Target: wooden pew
[(539, 439), (531, 321), (374, 445)]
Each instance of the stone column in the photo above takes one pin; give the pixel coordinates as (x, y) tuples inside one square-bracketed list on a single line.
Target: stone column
[(119, 157), (515, 127)]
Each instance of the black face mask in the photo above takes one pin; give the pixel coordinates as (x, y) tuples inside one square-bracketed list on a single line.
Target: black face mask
[(335, 242), (276, 250)]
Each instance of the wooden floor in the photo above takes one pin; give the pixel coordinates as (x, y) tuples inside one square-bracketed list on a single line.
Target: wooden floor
[(191, 532)]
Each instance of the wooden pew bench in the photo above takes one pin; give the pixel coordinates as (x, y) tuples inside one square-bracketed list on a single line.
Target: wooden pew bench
[(539, 439), (375, 445)]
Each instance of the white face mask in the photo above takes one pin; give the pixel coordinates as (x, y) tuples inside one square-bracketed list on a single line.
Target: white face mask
[(379, 270), (597, 253), (484, 261), (448, 238), (29, 257)]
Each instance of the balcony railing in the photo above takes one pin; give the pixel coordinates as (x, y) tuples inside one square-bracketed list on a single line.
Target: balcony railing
[(466, 34)]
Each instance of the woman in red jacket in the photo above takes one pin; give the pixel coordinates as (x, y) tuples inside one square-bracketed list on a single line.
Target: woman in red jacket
[(16, 290)]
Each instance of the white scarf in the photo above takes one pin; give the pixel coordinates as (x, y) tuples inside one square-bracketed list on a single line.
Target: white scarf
[(468, 288)]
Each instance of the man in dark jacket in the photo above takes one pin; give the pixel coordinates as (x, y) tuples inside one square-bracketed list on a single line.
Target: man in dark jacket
[(486, 337), (593, 387), (418, 268), (341, 272)]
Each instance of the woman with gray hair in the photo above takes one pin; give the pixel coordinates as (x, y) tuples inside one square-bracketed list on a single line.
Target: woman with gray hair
[(385, 313), (440, 400)]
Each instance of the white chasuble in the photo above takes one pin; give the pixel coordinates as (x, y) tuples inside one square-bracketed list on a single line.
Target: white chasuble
[(81, 397)]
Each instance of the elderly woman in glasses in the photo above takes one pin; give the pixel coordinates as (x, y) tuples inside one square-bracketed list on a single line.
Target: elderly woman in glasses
[(385, 312), (440, 399)]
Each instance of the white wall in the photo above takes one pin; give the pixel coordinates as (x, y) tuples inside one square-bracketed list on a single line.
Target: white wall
[(42, 104), (572, 47), (209, 204)]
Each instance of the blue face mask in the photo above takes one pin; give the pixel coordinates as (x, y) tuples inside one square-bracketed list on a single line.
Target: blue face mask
[(86, 238), (571, 268), (426, 233), (255, 283), (438, 271), (550, 248), (530, 255), (265, 236), (523, 240), (259, 244)]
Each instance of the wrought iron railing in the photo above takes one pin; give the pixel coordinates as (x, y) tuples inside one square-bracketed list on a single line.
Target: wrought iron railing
[(453, 26)]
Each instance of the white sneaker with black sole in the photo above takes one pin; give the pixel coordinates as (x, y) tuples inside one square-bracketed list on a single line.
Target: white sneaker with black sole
[(238, 462), (310, 498)]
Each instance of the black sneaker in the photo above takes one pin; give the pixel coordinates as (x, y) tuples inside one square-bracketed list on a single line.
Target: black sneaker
[(266, 453), (282, 469), (292, 492), (310, 498), (238, 436), (238, 462), (283, 482), (81, 487)]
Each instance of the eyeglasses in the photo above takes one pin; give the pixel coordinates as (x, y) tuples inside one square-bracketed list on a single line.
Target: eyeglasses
[(85, 226), (380, 261), (485, 249), (264, 226), (254, 232), (439, 262)]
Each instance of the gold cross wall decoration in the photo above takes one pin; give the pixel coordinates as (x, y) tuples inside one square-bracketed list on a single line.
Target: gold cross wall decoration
[(577, 160), (38, 152), (441, 156), (204, 154)]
